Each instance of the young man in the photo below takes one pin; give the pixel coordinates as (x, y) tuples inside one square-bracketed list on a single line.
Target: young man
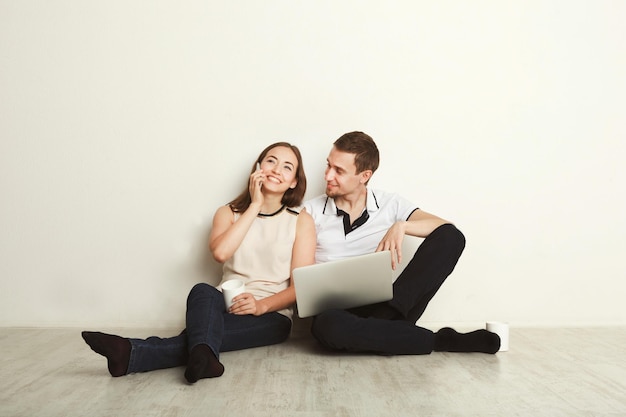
[(352, 219)]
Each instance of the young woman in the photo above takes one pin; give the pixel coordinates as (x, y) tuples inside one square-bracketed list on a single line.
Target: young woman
[(260, 238)]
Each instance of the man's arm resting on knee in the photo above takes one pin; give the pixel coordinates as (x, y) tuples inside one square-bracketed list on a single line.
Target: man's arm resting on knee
[(419, 224)]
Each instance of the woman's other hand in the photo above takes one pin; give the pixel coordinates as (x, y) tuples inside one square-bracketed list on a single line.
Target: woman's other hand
[(245, 303)]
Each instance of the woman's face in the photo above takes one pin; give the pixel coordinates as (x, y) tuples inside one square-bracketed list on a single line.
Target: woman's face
[(279, 166)]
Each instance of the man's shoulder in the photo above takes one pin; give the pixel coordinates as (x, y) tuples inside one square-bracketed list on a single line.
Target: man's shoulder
[(320, 200), (317, 197), (391, 201), (383, 195)]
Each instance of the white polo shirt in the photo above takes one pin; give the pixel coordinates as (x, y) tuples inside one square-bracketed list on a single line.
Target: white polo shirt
[(384, 209)]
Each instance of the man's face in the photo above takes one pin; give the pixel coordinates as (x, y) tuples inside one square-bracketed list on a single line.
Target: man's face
[(341, 176)]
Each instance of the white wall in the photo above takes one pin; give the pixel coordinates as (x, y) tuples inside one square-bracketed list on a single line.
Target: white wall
[(125, 124)]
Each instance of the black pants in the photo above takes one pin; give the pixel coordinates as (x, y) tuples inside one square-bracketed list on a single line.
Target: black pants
[(358, 331)]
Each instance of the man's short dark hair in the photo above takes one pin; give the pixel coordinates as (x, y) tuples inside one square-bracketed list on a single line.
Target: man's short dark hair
[(364, 149)]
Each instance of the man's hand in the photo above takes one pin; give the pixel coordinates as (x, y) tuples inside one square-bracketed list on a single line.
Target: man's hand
[(392, 241)]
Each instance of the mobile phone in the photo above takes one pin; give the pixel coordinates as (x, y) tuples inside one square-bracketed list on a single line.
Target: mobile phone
[(258, 166)]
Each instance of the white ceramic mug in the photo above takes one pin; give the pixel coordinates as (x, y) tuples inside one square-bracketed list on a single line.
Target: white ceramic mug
[(231, 289), (502, 330)]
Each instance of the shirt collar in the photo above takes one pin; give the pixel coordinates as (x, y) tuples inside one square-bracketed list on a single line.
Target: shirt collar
[(371, 204)]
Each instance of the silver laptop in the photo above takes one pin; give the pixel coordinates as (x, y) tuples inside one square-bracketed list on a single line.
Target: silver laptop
[(345, 283)]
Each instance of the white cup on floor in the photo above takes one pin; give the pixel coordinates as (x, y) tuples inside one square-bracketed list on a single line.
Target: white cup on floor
[(502, 330), (231, 289)]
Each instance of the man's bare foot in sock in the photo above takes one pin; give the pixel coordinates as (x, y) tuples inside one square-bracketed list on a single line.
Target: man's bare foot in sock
[(202, 364), (115, 348), (449, 340)]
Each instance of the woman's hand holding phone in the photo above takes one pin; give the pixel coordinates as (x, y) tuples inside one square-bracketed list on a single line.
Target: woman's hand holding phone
[(256, 184)]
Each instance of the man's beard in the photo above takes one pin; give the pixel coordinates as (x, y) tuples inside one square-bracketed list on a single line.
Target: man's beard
[(332, 192)]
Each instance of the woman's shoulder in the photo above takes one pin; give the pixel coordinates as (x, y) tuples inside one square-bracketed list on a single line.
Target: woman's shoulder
[(299, 211), (226, 208), (225, 212), (303, 217), (294, 210)]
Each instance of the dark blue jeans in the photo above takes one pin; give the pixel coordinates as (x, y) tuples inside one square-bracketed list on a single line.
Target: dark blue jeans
[(358, 330), (208, 323)]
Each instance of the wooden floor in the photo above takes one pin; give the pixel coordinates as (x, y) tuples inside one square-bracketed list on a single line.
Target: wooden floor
[(547, 372)]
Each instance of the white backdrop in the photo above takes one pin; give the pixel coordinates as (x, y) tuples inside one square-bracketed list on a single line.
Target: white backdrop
[(125, 124)]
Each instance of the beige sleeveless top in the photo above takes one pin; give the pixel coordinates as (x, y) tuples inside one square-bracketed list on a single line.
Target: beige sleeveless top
[(263, 260)]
